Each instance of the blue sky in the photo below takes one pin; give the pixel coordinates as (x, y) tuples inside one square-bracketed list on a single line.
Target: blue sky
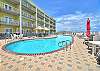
[(70, 13)]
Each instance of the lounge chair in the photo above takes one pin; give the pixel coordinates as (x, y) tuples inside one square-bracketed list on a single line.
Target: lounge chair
[(20, 36)]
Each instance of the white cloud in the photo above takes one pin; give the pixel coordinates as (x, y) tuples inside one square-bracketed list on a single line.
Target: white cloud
[(72, 22)]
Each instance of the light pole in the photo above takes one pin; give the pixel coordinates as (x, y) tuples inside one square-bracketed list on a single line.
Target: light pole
[(20, 17)]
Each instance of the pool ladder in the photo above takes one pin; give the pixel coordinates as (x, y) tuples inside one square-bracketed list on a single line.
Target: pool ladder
[(61, 44)]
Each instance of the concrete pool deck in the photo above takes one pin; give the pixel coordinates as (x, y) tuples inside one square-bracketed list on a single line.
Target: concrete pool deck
[(75, 59)]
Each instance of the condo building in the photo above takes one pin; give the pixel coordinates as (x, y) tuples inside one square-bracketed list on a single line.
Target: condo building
[(34, 20)]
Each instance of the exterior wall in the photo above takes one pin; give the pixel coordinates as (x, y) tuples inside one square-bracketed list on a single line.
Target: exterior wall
[(31, 17)]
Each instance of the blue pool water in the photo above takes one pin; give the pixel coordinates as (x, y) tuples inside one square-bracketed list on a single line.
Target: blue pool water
[(38, 45)]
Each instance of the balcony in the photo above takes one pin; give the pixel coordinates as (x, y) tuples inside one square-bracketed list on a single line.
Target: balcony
[(14, 1), (40, 20), (31, 19), (47, 27), (28, 25), (41, 25), (46, 22), (47, 19), (28, 7), (13, 11), (40, 16), (14, 23), (33, 26)]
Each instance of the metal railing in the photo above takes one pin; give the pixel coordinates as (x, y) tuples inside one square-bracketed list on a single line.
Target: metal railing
[(14, 1), (64, 43), (13, 10), (15, 23)]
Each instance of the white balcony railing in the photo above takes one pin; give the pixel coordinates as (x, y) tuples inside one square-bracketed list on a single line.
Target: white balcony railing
[(12, 23), (14, 1), (27, 6), (13, 10)]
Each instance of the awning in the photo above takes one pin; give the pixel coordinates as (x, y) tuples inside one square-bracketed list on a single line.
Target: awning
[(39, 28), (45, 28)]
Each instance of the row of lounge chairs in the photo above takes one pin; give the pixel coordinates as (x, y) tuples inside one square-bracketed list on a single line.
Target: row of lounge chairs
[(90, 49), (14, 36)]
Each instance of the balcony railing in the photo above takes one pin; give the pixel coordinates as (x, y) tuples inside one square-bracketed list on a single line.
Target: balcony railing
[(14, 23), (14, 1), (32, 19), (29, 25), (27, 6), (47, 22), (40, 20), (13, 11), (40, 16)]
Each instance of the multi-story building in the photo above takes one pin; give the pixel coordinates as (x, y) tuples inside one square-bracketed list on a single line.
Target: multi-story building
[(34, 20)]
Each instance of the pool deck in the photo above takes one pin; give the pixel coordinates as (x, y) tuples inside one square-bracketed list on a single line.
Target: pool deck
[(75, 59)]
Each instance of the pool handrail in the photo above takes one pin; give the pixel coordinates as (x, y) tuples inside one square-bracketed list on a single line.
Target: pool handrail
[(63, 42)]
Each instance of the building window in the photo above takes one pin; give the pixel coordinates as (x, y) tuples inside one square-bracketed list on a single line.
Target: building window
[(7, 7), (10, 20), (10, 8), (8, 30), (6, 19)]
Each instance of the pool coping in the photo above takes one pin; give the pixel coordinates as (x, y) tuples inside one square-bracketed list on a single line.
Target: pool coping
[(11, 52)]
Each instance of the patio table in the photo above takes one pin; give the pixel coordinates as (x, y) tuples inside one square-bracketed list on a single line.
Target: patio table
[(94, 46)]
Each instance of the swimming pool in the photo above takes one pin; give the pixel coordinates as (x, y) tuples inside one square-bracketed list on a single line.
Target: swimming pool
[(38, 46)]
